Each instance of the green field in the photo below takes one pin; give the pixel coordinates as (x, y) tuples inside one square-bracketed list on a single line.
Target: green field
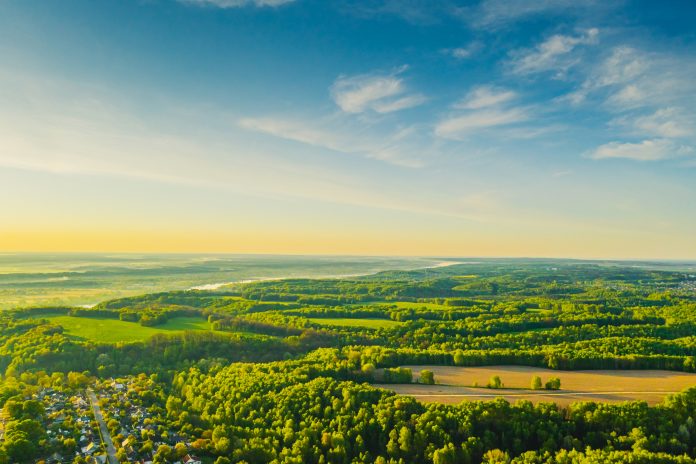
[(348, 322), (114, 330)]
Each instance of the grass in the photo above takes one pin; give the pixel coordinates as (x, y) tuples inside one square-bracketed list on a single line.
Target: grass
[(114, 330), (348, 322), (456, 384)]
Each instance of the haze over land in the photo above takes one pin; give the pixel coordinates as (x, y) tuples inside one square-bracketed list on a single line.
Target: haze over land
[(57, 279)]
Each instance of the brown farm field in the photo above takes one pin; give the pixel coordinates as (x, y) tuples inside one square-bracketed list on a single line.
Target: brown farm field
[(456, 384)]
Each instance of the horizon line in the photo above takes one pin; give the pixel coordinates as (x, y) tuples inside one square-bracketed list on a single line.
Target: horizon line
[(344, 255)]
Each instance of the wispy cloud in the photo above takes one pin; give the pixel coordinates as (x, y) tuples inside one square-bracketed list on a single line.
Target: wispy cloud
[(462, 126), (647, 94), (499, 13), (553, 54), (485, 96), (236, 3), (647, 150), (629, 78), (411, 11), (389, 106), (395, 148), (621, 72), (462, 53), (666, 122), (485, 108), (382, 93)]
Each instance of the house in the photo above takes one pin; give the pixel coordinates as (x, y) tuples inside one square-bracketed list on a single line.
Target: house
[(89, 449), (118, 386), (55, 457), (191, 459)]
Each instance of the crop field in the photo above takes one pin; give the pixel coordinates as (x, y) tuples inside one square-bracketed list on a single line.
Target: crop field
[(114, 330), (349, 322), (456, 384)]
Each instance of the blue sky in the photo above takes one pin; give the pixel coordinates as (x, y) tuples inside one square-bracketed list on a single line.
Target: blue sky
[(526, 128)]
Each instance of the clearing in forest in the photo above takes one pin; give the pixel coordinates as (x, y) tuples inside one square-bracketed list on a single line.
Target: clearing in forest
[(114, 330), (349, 322)]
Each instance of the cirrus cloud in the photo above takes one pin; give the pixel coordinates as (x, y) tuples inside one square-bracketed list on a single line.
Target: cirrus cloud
[(382, 93), (236, 3), (647, 150), (553, 54), (485, 96), (459, 127)]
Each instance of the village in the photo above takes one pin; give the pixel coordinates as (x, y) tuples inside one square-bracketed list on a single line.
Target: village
[(106, 424), (134, 426)]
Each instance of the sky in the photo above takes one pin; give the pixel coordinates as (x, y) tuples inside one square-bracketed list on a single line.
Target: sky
[(545, 128)]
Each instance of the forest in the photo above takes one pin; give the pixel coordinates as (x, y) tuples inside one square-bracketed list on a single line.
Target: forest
[(286, 371)]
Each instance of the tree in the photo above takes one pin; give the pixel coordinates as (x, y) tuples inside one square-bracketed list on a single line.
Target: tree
[(122, 455), (536, 382), (69, 444), (77, 379), (14, 409), (223, 445), (368, 369), (405, 439), (163, 454), (495, 382), (180, 450), (427, 377), (554, 383), (445, 455), (496, 456), (19, 448)]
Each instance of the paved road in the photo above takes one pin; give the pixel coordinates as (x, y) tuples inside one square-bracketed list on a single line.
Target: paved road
[(106, 436)]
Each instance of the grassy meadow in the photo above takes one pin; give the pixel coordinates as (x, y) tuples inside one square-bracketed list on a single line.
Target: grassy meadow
[(350, 322), (114, 330)]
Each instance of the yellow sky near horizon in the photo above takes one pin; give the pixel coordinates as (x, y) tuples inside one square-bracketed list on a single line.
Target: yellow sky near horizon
[(443, 243)]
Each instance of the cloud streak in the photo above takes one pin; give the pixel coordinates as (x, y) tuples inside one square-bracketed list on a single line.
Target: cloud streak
[(647, 150), (460, 127), (236, 3), (462, 53), (500, 13), (485, 96), (553, 54), (381, 93), (394, 148)]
